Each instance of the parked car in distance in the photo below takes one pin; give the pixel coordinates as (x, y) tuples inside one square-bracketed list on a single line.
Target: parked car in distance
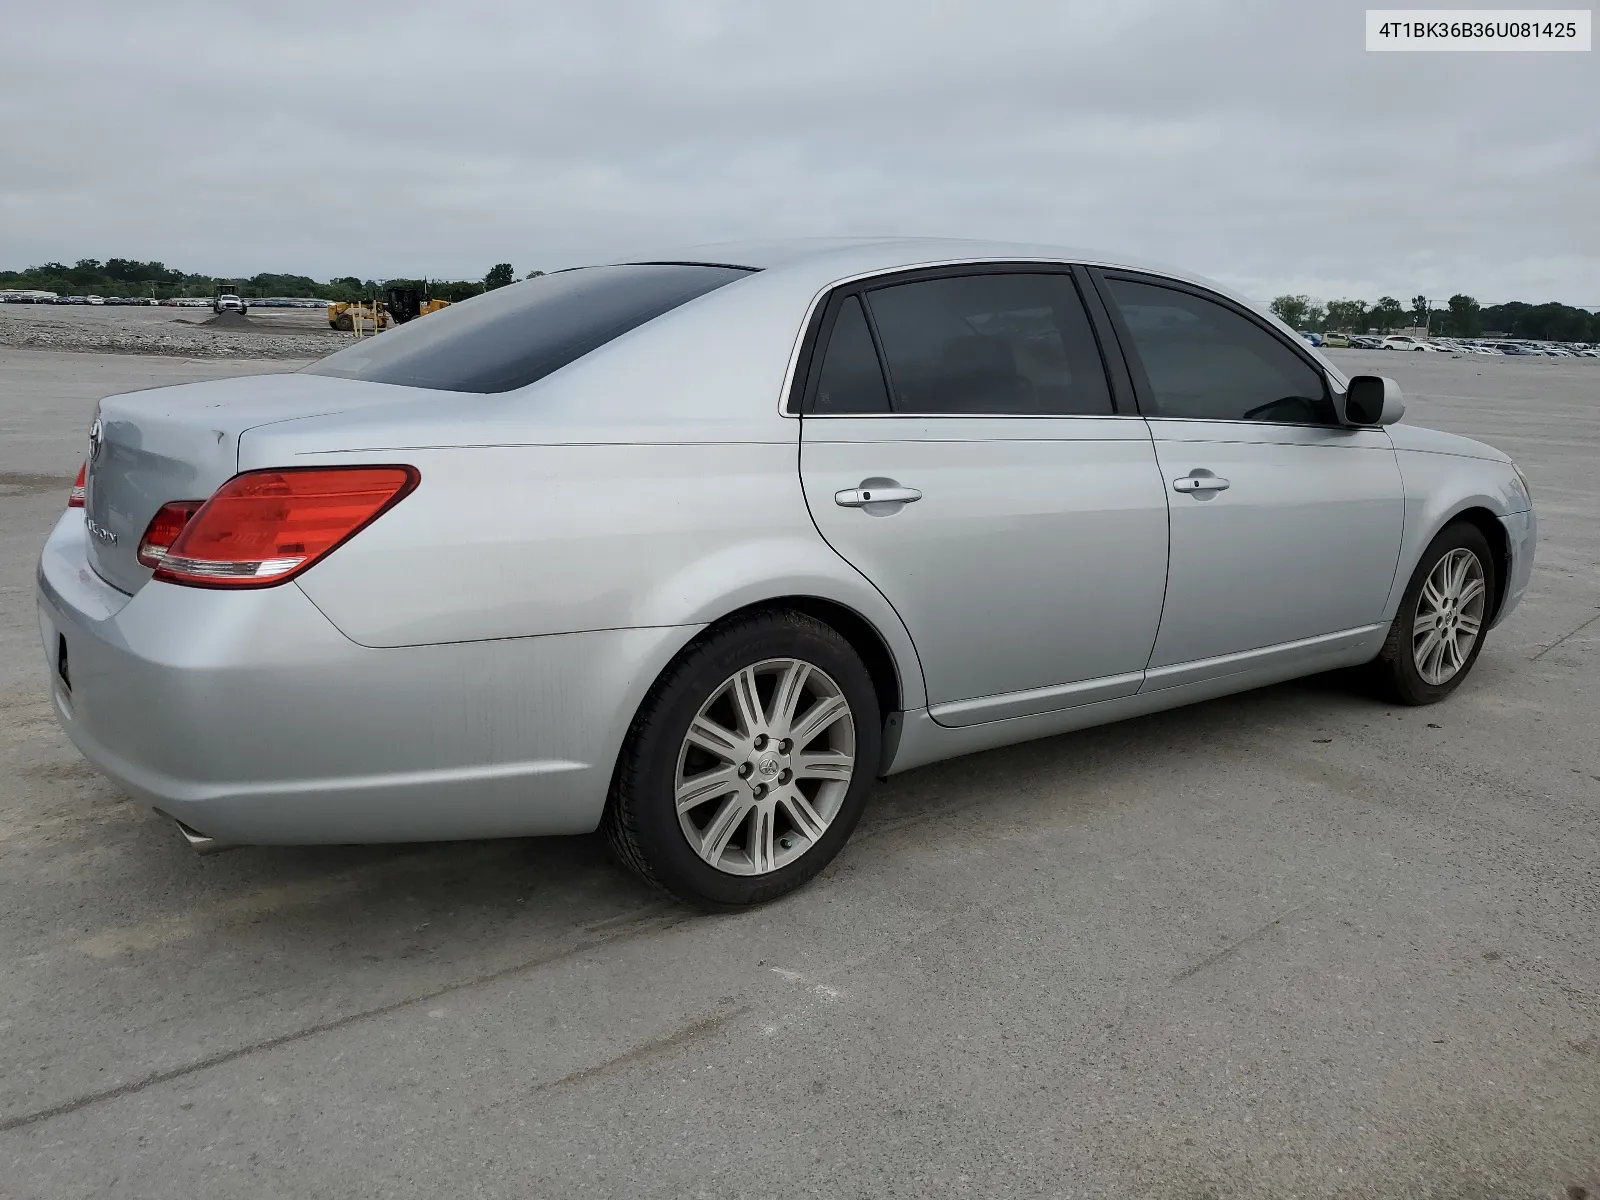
[(1401, 341), (1366, 342), (777, 520), (1336, 339), (1312, 338), (228, 302), (1517, 348)]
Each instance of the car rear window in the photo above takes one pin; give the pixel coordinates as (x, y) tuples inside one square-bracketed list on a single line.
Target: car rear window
[(515, 335)]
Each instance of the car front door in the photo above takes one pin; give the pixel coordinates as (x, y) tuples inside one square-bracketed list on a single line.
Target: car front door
[(961, 449), (1285, 525)]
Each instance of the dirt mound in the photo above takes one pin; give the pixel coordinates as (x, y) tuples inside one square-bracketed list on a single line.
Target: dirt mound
[(230, 318)]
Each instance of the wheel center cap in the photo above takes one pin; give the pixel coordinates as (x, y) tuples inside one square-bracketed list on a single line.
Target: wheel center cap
[(767, 766)]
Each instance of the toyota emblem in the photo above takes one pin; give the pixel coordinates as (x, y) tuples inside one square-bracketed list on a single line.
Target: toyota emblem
[(95, 433)]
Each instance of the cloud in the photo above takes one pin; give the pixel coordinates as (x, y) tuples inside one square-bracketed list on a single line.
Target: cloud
[(1256, 142)]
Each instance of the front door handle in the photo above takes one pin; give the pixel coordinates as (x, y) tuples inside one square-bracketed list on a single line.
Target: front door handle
[(860, 497), (1200, 483)]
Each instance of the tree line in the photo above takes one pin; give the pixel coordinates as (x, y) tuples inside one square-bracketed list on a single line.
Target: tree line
[(130, 277), (1461, 316)]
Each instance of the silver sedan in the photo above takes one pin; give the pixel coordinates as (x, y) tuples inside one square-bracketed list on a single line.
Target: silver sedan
[(692, 550)]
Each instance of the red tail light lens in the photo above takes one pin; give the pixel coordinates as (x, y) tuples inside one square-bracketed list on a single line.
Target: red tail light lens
[(75, 496), (265, 527), (164, 529)]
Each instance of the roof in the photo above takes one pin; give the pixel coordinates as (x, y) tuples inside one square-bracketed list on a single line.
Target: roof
[(813, 265), (878, 253), (837, 258)]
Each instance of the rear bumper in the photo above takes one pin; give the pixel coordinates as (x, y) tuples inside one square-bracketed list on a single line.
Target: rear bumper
[(250, 718), (1522, 535)]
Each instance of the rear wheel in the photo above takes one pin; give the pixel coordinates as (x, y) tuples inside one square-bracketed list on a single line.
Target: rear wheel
[(748, 765), (344, 323), (1438, 632)]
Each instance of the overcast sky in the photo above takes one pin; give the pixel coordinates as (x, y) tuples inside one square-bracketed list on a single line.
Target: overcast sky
[(1253, 141)]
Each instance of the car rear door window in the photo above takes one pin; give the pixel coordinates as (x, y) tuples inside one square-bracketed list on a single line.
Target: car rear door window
[(515, 335), (851, 377), (1010, 343), (1204, 361)]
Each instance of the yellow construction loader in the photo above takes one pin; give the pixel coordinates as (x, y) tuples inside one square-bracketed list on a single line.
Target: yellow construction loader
[(366, 316)]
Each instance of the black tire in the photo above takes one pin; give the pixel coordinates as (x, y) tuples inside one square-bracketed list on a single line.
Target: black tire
[(1395, 668), (641, 820), (344, 323)]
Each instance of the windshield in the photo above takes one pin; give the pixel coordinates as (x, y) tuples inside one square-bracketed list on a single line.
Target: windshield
[(512, 336)]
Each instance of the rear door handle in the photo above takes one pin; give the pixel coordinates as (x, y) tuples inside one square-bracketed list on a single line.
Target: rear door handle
[(1200, 483), (860, 497)]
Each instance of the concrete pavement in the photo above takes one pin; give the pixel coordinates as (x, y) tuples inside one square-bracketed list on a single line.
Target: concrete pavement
[(1291, 943)]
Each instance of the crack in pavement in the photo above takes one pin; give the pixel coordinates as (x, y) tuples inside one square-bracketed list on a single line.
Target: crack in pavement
[(653, 921), (1212, 960), (1564, 637), (645, 1050)]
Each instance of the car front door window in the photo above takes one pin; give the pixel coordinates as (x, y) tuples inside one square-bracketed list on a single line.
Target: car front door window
[(1206, 362)]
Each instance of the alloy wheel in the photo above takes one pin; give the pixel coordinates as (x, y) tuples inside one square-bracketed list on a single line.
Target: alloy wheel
[(1449, 616), (765, 766)]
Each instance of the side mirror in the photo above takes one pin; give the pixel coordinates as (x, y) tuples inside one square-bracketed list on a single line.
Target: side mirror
[(1372, 400)]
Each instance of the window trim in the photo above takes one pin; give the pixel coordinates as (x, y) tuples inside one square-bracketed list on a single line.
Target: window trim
[(824, 334), (1144, 394), (801, 387)]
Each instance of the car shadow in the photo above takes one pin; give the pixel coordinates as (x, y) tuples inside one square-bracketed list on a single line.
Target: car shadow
[(286, 941), (579, 875), (317, 908)]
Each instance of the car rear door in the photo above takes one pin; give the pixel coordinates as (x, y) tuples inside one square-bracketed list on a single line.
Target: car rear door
[(1285, 525), (961, 448)]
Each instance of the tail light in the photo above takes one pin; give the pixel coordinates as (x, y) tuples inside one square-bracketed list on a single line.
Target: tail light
[(265, 527), (164, 529), (75, 496)]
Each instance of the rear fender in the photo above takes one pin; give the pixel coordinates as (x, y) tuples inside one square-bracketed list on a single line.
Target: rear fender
[(771, 569), (524, 541)]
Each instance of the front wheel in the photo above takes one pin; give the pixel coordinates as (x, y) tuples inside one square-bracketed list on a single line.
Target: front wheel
[(748, 765), (1438, 632)]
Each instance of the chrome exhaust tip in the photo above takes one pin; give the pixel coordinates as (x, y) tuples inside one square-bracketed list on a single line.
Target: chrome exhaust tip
[(200, 843)]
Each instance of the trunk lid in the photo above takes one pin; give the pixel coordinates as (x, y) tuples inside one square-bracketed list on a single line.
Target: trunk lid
[(182, 443)]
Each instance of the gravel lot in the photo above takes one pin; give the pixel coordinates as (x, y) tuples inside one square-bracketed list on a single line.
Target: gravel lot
[(295, 333), (1292, 943)]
